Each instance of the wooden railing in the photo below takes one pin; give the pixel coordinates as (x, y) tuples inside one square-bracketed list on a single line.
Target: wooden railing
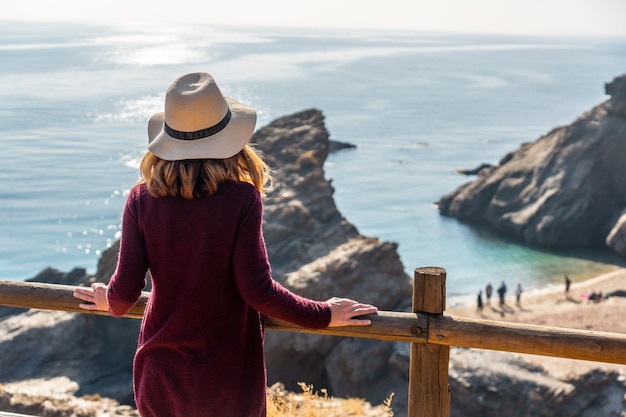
[(429, 331)]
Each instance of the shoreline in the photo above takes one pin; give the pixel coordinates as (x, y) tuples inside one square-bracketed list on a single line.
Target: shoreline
[(550, 307), (612, 280), (581, 279)]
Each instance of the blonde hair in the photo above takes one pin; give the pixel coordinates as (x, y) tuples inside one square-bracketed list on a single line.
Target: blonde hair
[(192, 178)]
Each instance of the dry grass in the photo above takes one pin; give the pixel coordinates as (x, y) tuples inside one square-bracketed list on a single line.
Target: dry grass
[(55, 398), (311, 403)]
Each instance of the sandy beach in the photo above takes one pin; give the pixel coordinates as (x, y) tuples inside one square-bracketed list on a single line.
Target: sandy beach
[(551, 307)]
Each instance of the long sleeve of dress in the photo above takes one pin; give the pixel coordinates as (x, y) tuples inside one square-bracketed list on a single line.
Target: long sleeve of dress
[(128, 280), (254, 279)]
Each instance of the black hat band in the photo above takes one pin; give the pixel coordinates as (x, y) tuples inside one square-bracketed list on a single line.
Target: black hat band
[(198, 134)]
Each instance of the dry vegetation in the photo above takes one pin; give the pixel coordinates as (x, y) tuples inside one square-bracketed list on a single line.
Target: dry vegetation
[(310, 403), (54, 398)]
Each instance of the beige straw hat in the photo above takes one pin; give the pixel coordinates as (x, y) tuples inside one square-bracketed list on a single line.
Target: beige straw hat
[(199, 122)]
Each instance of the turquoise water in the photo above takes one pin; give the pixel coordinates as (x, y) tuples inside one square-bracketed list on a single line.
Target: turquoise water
[(75, 99)]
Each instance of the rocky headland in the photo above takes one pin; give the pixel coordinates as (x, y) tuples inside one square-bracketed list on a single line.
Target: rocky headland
[(73, 361), (566, 189)]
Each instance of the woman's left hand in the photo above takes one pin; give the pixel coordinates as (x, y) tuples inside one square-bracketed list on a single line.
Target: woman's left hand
[(95, 297)]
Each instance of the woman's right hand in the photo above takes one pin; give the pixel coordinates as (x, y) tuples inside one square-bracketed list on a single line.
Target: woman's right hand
[(343, 311)]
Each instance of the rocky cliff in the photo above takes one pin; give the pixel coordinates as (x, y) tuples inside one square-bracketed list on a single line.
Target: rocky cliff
[(566, 189), (315, 252)]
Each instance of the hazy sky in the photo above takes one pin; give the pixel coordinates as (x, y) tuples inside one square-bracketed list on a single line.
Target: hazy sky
[(540, 17)]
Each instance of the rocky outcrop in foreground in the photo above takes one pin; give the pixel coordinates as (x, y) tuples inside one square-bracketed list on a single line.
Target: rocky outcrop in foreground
[(315, 252), (566, 189)]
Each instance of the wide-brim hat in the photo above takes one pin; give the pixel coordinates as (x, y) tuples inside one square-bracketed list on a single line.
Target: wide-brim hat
[(199, 122)]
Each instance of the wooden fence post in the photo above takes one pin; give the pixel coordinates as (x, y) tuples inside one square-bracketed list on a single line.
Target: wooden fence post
[(429, 393)]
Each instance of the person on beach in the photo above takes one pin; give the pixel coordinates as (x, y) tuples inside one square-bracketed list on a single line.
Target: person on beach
[(194, 222), (488, 292), (518, 295), (568, 283), (596, 297), (502, 293), (479, 302)]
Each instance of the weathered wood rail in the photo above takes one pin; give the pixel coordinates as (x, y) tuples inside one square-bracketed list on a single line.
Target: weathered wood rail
[(429, 331)]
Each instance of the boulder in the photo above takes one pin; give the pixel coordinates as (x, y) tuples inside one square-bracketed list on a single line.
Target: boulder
[(297, 357), (494, 384)]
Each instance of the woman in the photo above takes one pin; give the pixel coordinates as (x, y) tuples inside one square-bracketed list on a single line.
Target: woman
[(195, 222)]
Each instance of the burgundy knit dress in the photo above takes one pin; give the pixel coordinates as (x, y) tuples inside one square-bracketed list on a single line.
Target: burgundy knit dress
[(200, 350)]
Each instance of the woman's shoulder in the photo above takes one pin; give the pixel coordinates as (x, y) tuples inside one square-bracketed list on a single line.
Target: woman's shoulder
[(239, 194), (138, 190), (240, 188)]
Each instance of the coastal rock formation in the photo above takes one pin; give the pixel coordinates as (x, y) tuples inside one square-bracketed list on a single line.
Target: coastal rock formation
[(566, 189), (495, 384)]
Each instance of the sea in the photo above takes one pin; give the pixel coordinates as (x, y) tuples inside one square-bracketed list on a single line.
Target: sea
[(75, 99)]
